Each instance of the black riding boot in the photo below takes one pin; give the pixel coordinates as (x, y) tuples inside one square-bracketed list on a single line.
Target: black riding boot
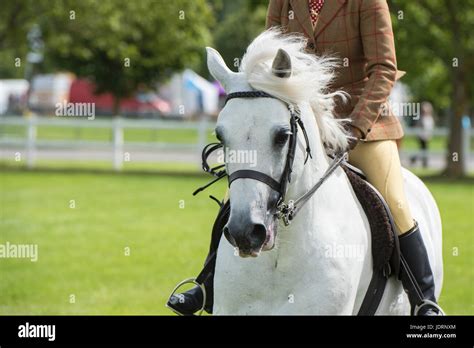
[(416, 275), (191, 301)]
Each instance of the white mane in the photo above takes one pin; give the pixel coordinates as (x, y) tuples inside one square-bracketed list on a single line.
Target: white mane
[(309, 81)]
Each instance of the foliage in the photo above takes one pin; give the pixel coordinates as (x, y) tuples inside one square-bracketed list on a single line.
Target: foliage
[(125, 45), (427, 44), (121, 45), (16, 19), (236, 32), (435, 46)]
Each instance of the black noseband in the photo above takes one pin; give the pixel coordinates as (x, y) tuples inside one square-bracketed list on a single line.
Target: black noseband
[(253, 174)]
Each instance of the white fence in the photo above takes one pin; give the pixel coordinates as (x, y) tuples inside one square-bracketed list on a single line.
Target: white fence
[(30, 142), (115, 145)]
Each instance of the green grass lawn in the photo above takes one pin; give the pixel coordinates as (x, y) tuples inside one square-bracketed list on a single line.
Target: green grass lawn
[(82, 250), (456, 204)]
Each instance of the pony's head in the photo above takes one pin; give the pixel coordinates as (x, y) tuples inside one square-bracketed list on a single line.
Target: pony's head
[(255, 132)]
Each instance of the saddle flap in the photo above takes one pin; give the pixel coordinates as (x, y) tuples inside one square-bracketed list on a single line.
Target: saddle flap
[(385, 248)]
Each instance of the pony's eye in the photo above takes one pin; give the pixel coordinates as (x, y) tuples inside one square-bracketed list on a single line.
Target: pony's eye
[(281, 137)]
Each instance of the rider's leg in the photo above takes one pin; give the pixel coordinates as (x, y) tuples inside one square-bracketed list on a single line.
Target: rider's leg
[(380, 162), (191, 301)]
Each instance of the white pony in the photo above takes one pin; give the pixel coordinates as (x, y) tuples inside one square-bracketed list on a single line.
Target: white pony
[(301, 270)]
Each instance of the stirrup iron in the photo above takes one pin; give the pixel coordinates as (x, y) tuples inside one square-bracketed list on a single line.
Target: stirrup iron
[(184, 282), (430, 303)]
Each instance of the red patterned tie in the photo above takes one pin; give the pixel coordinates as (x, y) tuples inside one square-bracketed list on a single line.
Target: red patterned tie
[(315, 7)]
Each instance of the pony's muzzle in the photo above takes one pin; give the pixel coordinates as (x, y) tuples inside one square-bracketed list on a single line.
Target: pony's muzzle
[(247, 237)]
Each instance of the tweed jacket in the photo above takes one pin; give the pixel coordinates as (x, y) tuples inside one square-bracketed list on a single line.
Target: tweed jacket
[(359, 34)]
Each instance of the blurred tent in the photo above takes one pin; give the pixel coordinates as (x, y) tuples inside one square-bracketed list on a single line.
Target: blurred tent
[(191, 95), (48, 90), (143, 104), (13, 94)]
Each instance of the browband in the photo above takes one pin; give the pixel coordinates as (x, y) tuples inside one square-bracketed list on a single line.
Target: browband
[(249, 94)]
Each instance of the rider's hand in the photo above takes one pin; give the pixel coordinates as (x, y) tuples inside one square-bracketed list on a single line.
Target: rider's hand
[(355, 134)]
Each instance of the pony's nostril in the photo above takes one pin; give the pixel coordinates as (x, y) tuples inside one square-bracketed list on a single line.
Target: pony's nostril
[(248, 237), (229, 236), (259, 234)]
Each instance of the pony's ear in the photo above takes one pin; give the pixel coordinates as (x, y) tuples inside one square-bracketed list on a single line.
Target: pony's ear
[(218, 68), (281, 66)]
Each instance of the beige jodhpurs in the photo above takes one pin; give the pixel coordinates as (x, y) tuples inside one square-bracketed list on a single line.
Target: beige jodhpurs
[(380, 162)]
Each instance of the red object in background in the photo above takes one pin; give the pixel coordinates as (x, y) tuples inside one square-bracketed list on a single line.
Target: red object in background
[(82, 91)]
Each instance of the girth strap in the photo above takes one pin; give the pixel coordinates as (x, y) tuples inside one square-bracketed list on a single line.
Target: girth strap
[(252, 174)]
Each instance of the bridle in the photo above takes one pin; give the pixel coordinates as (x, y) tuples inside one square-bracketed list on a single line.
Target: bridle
[(284, 211)]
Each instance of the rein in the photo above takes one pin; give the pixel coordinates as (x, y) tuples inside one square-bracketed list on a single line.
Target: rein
[(284, 211), (287, 211)]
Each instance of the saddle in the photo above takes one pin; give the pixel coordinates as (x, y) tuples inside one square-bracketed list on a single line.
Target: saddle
[(385, 247)]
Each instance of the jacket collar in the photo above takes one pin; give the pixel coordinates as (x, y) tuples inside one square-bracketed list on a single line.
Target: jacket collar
[(301, 12), (328, 13)]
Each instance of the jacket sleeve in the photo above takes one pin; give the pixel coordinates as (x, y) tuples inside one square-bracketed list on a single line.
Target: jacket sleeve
[(379, 51), (274, 13)]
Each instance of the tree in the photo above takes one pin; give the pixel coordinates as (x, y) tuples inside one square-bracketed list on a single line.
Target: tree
[(124, 45), (435, 46), (242, 22), (16, 20)]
